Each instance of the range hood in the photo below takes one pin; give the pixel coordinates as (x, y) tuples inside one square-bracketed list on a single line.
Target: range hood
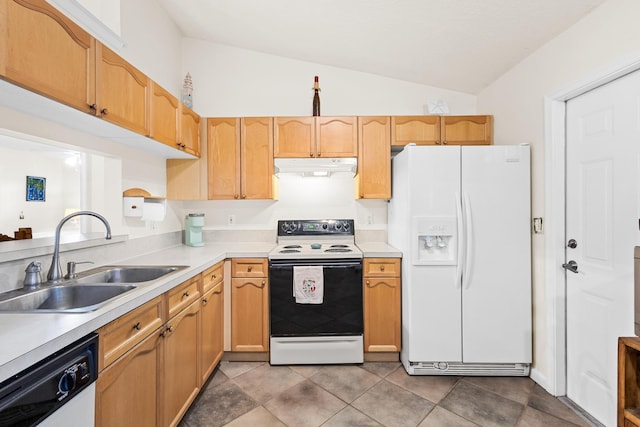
[(317, 166)]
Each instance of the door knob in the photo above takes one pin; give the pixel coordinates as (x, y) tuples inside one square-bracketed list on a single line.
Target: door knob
[(572, 266), (572, 244)]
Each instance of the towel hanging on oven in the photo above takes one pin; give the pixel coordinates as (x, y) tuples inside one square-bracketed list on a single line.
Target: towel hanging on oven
[(308, 284)]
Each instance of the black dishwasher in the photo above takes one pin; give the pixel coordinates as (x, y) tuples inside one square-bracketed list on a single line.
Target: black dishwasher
[(30, 396)]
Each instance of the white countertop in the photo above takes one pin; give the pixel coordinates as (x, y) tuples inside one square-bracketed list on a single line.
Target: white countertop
[(26, 338), (378, 250)]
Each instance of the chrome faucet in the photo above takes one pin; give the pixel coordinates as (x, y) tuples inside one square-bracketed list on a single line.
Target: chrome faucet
[(55, 271)]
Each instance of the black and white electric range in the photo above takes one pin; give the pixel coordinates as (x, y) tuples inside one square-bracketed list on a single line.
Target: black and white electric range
[(327, 327)]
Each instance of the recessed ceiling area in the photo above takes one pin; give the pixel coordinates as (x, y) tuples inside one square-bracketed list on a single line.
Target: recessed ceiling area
[(461, 45)]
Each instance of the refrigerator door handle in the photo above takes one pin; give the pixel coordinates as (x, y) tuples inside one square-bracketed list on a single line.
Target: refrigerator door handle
[(459, 220), (468, 240)]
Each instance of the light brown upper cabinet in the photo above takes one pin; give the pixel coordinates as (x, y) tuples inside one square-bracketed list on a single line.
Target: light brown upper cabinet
[(164, 124), (189, 130), (240, 158), (122, 91), (45, 52), (374, 158), (420, 130), (294, 137), (441, 130), (299, 137), (467, 130)]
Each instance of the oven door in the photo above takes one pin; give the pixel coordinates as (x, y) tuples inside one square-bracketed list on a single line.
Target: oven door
[(340, 312)]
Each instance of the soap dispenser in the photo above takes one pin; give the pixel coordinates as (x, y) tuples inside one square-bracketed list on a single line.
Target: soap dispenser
[(33, 279)]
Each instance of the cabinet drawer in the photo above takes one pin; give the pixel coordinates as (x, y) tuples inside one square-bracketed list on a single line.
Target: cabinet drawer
[(382, 267), (182, 295), (249, 267), (119, 336), (212, 276)]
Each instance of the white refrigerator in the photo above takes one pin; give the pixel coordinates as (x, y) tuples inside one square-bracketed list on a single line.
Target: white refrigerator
[(461, 217)]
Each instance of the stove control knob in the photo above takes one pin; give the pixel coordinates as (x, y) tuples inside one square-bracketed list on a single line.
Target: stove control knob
[(338, 226), (346, 225), (325, 226)]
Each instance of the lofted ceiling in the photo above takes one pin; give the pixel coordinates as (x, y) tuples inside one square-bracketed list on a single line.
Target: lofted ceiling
[(461, 45)]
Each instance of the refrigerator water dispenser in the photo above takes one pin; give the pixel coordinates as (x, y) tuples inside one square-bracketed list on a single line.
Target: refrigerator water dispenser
[(436, 240)]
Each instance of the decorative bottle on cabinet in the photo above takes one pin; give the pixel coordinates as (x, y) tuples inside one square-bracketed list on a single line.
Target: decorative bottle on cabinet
[(316, 97)]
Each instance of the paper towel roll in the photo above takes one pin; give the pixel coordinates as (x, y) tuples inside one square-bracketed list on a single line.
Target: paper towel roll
[(153, 211)]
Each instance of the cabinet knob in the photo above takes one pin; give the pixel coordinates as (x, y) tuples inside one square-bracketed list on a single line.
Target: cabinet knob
[(92, 109), (213, 277), (368, 282), (437, 142), (204, 301), (136, 326), (169, 329), (249, 268), (104, 112), (310, 154), (244, 196), (382, 268), (235, 196), (444, 142), (185, 294)]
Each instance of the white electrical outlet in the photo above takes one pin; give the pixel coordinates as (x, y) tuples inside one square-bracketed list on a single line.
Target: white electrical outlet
[(370, 219), (231, 220)]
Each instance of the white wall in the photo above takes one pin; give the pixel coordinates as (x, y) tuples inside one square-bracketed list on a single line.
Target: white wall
[(61, 192), (308, 198), (607, 35), (152, 42), (231, 82)]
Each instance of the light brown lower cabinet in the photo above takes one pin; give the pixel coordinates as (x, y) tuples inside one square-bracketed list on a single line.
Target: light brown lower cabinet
[(382, 294), (249, 305), (181, 374), (629, 382), (128, 391), (211, 329), (151, 369)]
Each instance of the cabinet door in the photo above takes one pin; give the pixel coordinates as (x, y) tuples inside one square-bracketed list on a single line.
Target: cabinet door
[(181, 371), (249, 314), (374, 158), (256, 158), (467, 130), (420, 130), (122, 91), (121, 335), (382, 314), (211, 330), (43, 51), (336, 136), (189, 130), (223, 155), (294, 137), (163, 125), (128, 392)]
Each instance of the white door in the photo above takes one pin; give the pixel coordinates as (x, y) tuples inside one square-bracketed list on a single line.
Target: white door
[(496, 296), (603, 143)]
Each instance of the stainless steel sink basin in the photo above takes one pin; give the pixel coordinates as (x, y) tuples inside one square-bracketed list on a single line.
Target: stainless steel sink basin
[(64, 298), (126, 274)]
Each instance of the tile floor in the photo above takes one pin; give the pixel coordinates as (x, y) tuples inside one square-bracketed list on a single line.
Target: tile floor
[(255, 394)]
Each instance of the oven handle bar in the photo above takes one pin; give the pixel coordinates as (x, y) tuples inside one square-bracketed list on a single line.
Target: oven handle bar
[(331, 264)]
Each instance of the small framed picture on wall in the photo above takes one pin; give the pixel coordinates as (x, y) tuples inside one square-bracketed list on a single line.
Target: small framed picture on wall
[(36, 189)]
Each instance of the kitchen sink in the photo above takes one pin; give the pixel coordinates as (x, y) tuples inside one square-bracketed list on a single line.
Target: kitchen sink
[(64, 298), (126, 274)]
